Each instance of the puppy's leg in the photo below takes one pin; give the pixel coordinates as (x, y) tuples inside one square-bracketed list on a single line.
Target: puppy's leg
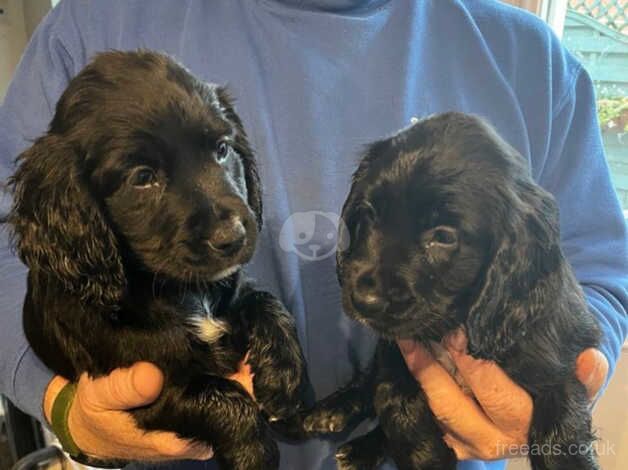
[(343, 409), (363, 453), (217, 412), (280, 376), (560, 435), (414, 439), (339, 412)]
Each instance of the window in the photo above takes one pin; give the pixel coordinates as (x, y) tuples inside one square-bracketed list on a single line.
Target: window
[(596, 32)]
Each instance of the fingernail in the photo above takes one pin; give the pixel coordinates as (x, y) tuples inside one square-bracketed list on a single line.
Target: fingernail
[(207, 454), (418, 359), (584, 362), (457, 341), (406, 346), (201, 452), (593, 377)]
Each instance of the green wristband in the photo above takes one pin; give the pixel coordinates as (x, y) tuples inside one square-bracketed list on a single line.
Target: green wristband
[(59, 419)]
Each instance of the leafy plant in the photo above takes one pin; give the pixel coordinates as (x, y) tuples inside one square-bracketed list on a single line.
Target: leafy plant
[(613, 113)]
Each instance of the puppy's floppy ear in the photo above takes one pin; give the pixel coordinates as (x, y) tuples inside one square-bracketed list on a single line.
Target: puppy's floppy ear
[(243, 147), (522, 275), (58, 227)]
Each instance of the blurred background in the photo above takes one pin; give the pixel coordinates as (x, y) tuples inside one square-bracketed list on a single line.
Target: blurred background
[(595, 31)]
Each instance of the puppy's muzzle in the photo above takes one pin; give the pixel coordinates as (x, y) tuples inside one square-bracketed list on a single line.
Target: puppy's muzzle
[(228, 236), (374, 294), (366, 294)]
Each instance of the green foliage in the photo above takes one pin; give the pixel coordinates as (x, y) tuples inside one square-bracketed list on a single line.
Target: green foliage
[(613, 114)]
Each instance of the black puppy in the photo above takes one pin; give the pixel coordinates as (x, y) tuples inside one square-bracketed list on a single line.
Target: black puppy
[(447, 229), (134, 214)]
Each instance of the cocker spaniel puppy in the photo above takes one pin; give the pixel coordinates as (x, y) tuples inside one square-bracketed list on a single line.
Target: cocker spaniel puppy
[(448, 229), (134, 214)]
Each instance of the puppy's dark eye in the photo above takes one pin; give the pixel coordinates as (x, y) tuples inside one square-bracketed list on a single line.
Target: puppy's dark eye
[(445, 236), (143, 177), (441, 237), (440, 243), (222, 150)]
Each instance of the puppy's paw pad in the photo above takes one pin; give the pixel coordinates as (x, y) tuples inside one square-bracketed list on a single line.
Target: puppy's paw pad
[(324, 422)]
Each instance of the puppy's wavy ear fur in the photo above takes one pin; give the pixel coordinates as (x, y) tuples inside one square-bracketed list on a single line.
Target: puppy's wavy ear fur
[(243, 147), (58, 227), (523, 274)]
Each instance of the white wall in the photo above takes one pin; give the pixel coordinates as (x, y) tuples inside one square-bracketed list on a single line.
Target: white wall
[(533, 5), (12, 39), (17, 21)]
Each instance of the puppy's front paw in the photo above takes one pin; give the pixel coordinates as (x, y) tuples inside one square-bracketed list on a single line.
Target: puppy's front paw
[(348, 459), (323, 421)]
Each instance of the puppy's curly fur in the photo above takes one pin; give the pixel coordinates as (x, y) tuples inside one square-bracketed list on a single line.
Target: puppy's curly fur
[(448, 229), (134, 214)]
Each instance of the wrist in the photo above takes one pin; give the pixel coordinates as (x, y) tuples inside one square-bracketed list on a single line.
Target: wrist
[(59, 418), (77, 428), (52, 390)]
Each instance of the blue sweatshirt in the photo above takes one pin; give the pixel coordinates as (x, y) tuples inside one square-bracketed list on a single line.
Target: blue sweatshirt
[(315, 80)]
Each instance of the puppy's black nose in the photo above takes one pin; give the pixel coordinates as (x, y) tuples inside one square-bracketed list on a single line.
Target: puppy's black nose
[(367, 296), (228, 237), (398, 290)]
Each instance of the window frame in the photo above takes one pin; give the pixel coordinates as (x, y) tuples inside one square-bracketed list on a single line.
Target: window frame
[(554, 13)]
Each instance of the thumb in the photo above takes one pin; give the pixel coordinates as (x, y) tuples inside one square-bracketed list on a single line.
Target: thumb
[(591, 370), (122, 389), (406, 346), (417, 358)]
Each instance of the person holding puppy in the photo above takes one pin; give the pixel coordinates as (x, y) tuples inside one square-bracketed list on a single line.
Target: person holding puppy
[(314, 80)]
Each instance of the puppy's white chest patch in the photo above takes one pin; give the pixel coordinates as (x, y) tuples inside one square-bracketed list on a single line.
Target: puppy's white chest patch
[(205, 325), (442, 356)]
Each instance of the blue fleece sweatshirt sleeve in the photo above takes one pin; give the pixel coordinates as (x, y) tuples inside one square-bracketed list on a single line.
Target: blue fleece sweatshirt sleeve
[(593, 226), (41, 77)]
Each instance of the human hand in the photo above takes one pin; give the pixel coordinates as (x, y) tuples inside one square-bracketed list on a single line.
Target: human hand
[(244, 376), (101, 427), (495, 421)]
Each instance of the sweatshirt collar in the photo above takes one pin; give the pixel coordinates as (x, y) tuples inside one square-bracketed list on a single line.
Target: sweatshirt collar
[(335, 6)]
